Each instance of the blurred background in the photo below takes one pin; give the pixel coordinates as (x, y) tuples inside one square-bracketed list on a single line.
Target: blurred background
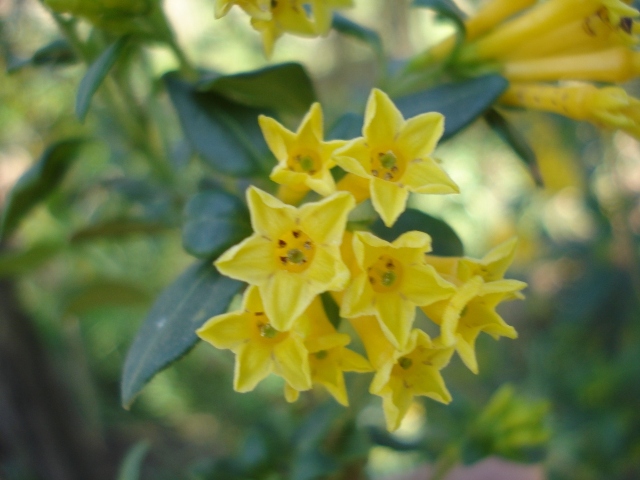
[(72, 298)]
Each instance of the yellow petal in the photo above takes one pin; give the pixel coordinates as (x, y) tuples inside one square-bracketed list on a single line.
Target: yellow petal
[(327, 271), (358, 299), (253, 364), (420, 135), (325, 221), (396, 317), (321, 183), (285, 296), (389, 199), (269, 216), (431, 384), (396, 406), (252, 261), (382, 119), (413, 240), (379, 350), (350, 361), (291, 361), (423, 286), (354, 157), (465, 347), (278, 138), (290, 393), (356, 186), (226, 331), (381, 378), (310, 132), (424, 175)]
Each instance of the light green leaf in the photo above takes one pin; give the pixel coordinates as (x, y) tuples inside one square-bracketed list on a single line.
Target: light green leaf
[(215, 221), (353, 29), (96, 73), (445, 241), (460, 102), (37, 183), (284, 87), (130, 467), (168, 332), (224, 133), (13, 264)]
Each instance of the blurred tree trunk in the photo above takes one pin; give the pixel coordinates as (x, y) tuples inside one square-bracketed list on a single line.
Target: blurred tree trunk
[(41, 433)]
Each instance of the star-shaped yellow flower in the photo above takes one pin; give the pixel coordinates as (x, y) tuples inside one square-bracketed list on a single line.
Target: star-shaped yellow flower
[(392, 280), (328, 359), (393, 154), (304, 159), (260, 349), (323, 13), (402, 374), (260, 9), (293, 255)]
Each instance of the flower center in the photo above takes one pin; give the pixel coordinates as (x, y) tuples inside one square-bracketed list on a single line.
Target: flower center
[(405, 363), (295, 251), (321, 355), (304, 161), (387, 165), (385, 274), (265, 330)]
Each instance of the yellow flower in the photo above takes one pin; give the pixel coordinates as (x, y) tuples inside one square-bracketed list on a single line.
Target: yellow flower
[(304, 159), (393, 279), (471, 310), (260, 349), (323, 13), (328, 358), (293, 255), (260, 9), (402, 374), (393, 155), (608, 106)]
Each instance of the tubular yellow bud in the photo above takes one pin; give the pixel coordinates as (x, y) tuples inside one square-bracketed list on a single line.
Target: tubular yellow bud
[(614, 65), (608, 107), (527, 27)]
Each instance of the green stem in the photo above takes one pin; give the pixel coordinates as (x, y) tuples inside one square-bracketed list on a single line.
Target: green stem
[(159, 19)]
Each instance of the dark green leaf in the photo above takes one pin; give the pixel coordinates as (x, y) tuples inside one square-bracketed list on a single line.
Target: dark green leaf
[(285, 87), (215, 221), (224, 133), (331, 308), (348, 27), (168, 332), (38, 182), (516, 141), (130, 467), (445, 241), (105, 292), (443, 7), (55, 54), (347, 127), (460, 102), (96, 73), (17, 263), (117, 229)]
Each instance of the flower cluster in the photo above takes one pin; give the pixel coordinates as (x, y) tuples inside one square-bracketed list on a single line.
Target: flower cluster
[(540, 46), (297, 254), (272, 18)]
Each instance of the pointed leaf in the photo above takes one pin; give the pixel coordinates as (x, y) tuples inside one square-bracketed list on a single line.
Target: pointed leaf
[(347, 127), (225, 134), (96, 73), (353, 29), (516, 141), (38, 182), (284, 87), (55, 54), (132, 463), (460, 102), (168, 332), (215, 221), (445, 241)]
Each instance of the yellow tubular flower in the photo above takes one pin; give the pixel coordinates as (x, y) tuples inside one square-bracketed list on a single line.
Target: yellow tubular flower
[(596, 32), (293, 255), (328, 359), (403, 374), (393, 154), (610, 106), (612, 65), (260, 349), (304, 159), (260, 9), (392, 280), (323, 13), (356, 186), (286, 16), (540, 19)]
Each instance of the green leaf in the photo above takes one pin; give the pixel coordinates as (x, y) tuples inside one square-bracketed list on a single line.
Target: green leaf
[(516, 141), (445, 241), (347, 127), (105, 292), (284, 87), (118, 228), (226, 134), (96, 73), (38, 182), (168, 332), (13, 264), (444, 7), (215, 221), (331, 308), (130, 467), (348, 27), (460, 102), (58, 53)]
